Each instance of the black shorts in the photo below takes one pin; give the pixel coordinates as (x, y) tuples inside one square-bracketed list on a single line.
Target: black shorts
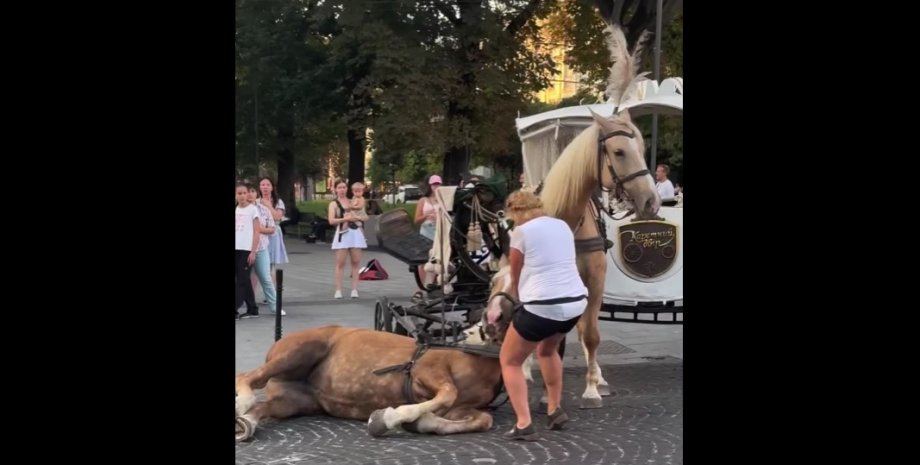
[(535, 328)]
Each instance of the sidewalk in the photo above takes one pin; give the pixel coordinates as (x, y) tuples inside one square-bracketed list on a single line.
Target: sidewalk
[(309, 285)]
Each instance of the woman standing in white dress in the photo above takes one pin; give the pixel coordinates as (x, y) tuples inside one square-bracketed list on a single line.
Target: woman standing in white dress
[(346, 215)]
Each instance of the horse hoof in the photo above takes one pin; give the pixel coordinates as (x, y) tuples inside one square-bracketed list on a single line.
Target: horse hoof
[(411, 427), (591, 402), (244, 429), (603, 390), (376, 426)]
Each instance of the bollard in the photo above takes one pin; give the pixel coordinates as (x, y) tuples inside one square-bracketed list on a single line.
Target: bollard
[(279, 286)]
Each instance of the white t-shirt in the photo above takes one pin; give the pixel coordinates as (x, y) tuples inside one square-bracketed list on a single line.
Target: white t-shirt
[(549, 270), (265, 217), (665, 190), (244, 231)]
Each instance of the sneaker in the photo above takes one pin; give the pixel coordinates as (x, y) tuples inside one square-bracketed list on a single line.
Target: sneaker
[(354, 293), (526, 434), (249, 315), (338, 294), (283, 313), (237, 316), (557, 419)]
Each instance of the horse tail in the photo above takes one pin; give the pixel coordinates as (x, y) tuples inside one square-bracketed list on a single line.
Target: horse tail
[(624, 73)]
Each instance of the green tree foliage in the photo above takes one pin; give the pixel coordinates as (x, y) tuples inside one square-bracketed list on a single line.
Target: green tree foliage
[(439, 82)]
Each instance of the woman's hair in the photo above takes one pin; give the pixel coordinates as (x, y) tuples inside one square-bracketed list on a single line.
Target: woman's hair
[(523, 204)]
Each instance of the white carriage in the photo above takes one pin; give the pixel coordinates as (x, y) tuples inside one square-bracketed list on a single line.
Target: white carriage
[(644, 281)]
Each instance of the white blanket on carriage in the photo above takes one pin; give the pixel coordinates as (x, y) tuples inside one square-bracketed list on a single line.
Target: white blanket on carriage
[(441, 250)]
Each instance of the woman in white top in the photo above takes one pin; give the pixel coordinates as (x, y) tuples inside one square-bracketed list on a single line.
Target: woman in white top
[(277, 252), (248, 231), (348, 216), (544, 277), (426, 214)]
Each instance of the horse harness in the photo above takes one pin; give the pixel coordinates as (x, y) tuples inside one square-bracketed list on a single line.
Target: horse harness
[(421, 348), (619, 191)]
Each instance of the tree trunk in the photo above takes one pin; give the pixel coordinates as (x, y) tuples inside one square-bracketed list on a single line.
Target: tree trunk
[(456, 162), (457, 159), (284, 185), (355, 156), (643, 16)]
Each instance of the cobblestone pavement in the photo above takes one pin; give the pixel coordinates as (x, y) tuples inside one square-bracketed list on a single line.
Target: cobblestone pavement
[(641, 422)]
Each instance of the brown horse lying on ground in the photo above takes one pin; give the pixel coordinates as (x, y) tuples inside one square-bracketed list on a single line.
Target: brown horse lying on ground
[(361, 374)]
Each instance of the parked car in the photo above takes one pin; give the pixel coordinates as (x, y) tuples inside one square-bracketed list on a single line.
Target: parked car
[(408, 193)]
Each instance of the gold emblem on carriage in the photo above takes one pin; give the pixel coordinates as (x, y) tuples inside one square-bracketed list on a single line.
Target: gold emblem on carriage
[(648, 248)]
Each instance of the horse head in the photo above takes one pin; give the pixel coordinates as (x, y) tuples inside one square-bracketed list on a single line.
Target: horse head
[(620, 142), (621, 161), (499, 299)]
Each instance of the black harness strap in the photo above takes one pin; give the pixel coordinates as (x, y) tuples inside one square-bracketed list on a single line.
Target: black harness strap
[(420, 349)]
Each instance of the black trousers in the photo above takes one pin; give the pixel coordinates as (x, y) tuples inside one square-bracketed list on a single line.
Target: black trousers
[(244, 292)]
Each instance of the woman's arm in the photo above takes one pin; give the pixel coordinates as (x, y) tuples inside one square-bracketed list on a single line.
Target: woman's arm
[(517, 263), (419, 209), (277, 213), (255, 239), (331, 215)]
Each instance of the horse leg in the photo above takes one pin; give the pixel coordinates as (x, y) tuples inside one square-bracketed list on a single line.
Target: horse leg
[(527, 367), (386, 419), (458, 420), (285, 357), (592, 270), (285, 400)]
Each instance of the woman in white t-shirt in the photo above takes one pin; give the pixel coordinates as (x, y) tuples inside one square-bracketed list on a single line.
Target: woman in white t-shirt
[(544, 278), (248, 230)]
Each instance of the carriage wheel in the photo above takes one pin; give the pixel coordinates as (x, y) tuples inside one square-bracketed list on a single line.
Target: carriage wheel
[(383, 319)]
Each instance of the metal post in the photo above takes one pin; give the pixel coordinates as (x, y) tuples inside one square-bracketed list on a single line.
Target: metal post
[(393, 193), (657, 80), (278, 287)]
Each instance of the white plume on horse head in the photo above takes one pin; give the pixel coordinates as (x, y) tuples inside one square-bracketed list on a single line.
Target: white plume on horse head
[(622, 85)]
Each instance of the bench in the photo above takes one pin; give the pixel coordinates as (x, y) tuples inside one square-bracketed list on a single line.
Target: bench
[(304, 228)]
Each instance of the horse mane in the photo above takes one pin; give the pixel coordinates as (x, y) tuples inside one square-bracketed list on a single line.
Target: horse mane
[(624, 74), (571, 178)]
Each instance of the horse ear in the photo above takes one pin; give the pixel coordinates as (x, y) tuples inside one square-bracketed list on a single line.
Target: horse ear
[(624, 115), (598, 118)]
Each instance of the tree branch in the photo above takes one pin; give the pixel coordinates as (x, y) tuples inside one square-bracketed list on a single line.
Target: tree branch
[(523, 17), (643, 15), (447, 13)]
